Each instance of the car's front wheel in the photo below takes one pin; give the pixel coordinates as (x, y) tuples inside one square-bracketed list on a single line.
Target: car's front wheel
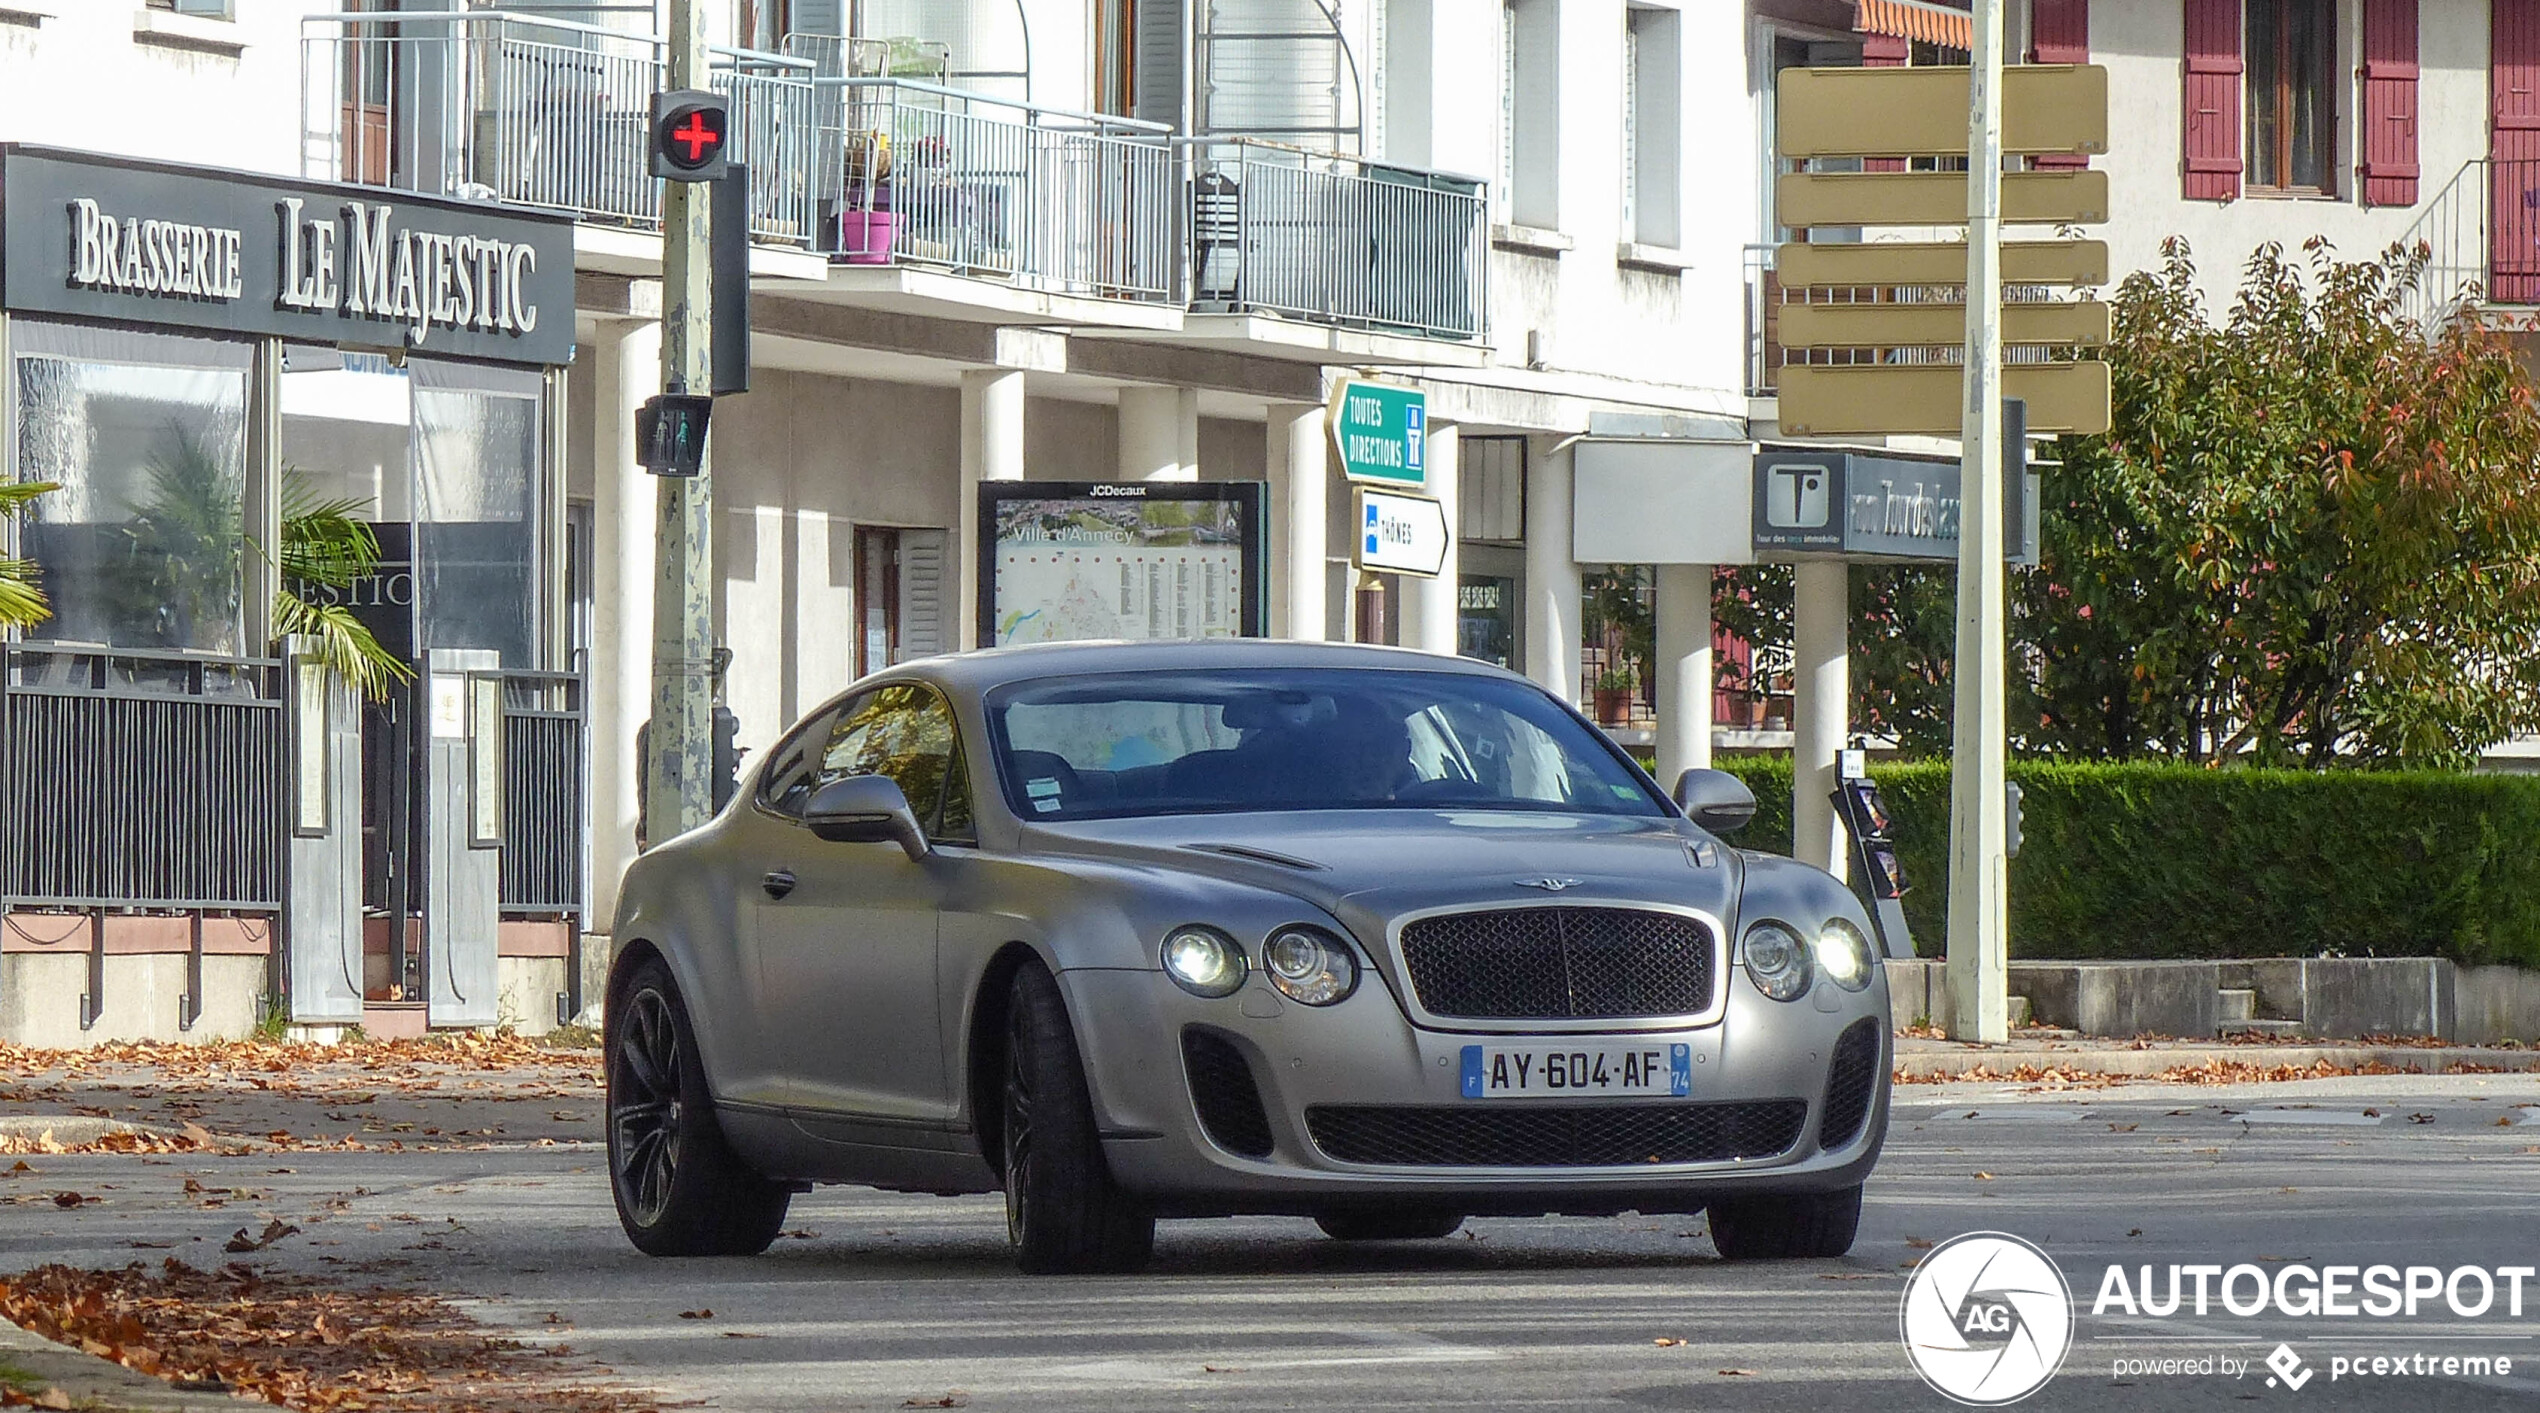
[(680, 1189), (1063, 1213), (1415, 1225), (1784, 1226)]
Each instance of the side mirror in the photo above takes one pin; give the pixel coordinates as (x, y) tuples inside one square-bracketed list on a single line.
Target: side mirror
[(865, 809), (1715, 799)]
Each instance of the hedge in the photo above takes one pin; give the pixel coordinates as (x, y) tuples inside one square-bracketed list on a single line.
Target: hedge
[(2141, 861)]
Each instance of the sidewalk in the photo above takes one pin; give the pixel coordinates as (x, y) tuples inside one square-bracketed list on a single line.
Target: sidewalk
[(2053, 1055)]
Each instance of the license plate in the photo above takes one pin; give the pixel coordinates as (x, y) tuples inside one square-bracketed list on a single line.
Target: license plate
[(1526, 1071)]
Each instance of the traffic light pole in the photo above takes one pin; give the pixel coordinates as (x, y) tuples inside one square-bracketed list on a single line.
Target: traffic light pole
[(679, 777), (1979, 891)]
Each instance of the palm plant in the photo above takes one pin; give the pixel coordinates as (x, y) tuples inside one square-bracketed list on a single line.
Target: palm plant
[(324, 544), (22, 603)]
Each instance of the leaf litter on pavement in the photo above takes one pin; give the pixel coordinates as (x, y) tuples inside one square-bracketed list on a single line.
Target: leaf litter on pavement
[(300, 1342)]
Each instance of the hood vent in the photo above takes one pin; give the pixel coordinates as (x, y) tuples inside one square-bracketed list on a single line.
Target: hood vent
[(1268, 856)]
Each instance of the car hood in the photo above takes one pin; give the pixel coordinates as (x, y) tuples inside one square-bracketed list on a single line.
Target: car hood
[(1367, 867)]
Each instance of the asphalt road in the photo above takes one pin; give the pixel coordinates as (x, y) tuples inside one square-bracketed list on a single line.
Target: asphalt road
[(883, 1302)]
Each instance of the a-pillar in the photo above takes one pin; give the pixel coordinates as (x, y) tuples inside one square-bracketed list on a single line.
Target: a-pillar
[(1552, 578), (991, 450), (1684, 670), (1159, 434), (623, 513), (1820, 715), (1300, 486), (1429, 605)]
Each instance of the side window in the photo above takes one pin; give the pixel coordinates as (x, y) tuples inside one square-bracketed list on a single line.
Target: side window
[(790, 780), (955, 825)]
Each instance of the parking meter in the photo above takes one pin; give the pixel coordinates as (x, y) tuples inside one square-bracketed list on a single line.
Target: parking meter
[(1876, 874)]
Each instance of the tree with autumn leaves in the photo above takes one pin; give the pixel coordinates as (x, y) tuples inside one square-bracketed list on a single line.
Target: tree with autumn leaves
[(2311, 537)]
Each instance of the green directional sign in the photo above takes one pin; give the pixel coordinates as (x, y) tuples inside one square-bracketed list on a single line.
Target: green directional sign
[(1381, 432)]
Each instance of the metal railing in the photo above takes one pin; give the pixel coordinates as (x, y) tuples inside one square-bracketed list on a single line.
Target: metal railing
[(2481, 235), (143, 780), (921, 174), (1336, 239), (542, 793), (535, 110)]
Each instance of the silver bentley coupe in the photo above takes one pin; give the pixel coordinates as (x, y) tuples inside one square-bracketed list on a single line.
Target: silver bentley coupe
[(1131, 931)]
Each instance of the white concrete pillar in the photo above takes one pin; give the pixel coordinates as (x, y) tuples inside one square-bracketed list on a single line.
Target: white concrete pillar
[(1684, 670), (1552, 578), (1428, 605), (1821, 713), (1159, 434), (625, 506), (1300, 523), (991, 450)]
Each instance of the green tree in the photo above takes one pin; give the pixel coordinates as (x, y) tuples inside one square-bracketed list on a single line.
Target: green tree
[(2311, 536), (22, 602)]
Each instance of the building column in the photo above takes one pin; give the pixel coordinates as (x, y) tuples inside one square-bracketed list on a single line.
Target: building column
[(1429, 605), (1552, 578), (1821, 712), (1159, 434), (991, 450), (1684, 670), (624, 511), (1300, 485)]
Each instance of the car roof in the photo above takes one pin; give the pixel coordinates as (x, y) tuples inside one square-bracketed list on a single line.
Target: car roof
[(978, 671)]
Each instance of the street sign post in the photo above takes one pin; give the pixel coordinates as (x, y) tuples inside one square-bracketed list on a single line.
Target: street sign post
[(1399, 534), (1381, 432)]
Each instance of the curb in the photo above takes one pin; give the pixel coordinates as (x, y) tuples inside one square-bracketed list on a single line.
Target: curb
[(1996, 1063), (95, 1383)]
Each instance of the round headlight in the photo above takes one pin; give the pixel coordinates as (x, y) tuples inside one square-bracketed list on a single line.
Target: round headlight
[(1204, 961), (1777, 960), (1845, 955), (1310, 966)]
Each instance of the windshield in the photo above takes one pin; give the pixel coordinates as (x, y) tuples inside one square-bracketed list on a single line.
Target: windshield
[(1198, 742)]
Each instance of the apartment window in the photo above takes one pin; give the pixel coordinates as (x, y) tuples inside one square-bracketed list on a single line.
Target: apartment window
[(1529, 113), (1652, 41), (2290, 53), (1115, 56), (208, 9)]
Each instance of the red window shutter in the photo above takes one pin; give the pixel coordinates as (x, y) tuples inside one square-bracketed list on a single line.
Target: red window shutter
[(2059, 33), (2513, 82), (2210, 117), (2390, 103), (1884, 51)]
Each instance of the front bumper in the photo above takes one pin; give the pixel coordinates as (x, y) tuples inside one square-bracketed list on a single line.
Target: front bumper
[(1364, 1052)]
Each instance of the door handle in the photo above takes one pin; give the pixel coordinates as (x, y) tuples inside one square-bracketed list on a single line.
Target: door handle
[(777, 883)]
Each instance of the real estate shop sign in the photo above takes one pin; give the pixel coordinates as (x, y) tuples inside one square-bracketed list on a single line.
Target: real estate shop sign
[(233, 253), (1849, 505)]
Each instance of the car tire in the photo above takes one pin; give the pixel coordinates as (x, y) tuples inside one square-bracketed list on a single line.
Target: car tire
[(1390, 1226), (1786, 1226), (679, 1187), (1064, 1215)]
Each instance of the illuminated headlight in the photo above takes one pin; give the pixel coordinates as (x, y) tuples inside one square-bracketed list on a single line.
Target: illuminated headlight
[(1204, 961), (1845, 955), (1777, 960), (1310, 966)]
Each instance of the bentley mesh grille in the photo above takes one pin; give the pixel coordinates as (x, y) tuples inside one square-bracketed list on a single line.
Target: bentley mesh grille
[(1604, 1135), (1850, 1081), (1224, 1093), (1559, 963)]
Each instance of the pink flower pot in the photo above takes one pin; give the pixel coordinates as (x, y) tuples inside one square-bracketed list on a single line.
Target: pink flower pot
[(865, 236)]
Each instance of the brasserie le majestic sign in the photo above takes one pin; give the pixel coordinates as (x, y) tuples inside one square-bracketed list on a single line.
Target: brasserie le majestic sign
[(247, 255)]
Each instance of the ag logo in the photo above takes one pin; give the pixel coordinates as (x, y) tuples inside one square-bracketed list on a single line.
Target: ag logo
[(1986, 1319)]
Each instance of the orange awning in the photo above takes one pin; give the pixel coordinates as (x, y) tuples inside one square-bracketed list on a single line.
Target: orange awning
[(1916, 20)]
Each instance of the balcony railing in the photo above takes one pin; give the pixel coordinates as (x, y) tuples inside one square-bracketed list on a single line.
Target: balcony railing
[(2481, 235), (1336, 239), (920, 174), (536, 111), (525, 108)]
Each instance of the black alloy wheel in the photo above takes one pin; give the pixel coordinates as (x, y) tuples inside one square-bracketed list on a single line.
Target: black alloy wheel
[(1786, 1226), (680, 1189), (1063, 1212)]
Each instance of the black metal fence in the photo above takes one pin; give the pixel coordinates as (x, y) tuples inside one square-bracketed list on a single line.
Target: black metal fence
[(542, 792), (132, 779)]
